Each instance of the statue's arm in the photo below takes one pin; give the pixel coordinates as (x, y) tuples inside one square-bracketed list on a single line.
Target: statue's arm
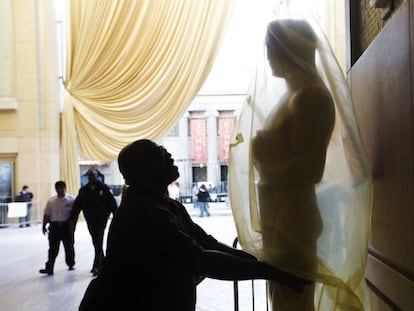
[(295, 148)]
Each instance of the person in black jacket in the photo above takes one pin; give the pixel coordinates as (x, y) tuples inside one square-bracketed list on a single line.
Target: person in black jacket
[(203, 197), (96, 202), (156, 254), (25, 195)]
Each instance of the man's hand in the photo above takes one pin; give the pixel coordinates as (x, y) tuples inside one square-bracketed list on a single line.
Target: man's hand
[(46, 220)]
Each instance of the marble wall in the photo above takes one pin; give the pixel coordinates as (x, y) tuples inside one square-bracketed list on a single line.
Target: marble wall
[(29, 95)]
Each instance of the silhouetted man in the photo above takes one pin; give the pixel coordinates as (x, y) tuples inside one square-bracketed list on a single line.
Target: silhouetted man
[(156, 255), (97, 203)]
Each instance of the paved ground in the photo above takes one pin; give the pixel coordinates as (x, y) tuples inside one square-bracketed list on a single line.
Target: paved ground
[(24, 251)]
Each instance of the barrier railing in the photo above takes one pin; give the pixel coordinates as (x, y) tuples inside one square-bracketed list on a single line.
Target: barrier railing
[(19, 213), (236, 289)]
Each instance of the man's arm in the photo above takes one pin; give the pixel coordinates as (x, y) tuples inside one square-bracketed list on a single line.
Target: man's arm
[(210, 243), (74, 214), (223, 266), (110, 201), (232, 251)]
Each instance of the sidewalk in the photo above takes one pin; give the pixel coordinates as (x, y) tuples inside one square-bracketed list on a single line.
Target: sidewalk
[(24, 251)]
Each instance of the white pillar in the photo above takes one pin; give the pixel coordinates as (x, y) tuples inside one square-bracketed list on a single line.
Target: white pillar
[(185, 164), (213, 167)]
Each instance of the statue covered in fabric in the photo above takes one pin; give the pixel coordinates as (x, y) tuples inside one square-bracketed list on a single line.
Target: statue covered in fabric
[(289, 154), (301, 185)]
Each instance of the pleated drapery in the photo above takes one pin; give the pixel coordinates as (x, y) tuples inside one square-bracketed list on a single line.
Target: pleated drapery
[(132, 69)]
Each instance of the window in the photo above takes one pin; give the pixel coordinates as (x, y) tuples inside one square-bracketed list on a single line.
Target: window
[(174, 131), (7, 178), (199, 173)]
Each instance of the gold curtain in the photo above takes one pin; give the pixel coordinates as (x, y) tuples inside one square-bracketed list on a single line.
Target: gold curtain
[(132, 68)]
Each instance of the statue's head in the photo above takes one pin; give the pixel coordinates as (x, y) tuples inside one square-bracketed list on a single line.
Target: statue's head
[(290, 46)]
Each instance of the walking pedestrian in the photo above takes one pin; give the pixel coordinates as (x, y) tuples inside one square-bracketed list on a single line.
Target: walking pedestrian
[(96, 202), (203, 197), (57, 215), (25, 195), (194, 192)]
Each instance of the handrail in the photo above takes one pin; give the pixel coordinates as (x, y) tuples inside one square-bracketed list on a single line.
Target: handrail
[(235, 283), (236, 288)]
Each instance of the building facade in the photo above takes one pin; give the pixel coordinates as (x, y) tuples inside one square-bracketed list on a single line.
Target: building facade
[(199, 141), (29, 101)]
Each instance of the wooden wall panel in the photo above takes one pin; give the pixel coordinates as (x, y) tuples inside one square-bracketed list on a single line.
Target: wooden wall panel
[(381, 86)]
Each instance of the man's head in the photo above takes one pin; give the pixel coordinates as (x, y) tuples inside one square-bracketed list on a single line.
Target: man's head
[(25, 188), (92, 176), (60, 187), (147, 165)]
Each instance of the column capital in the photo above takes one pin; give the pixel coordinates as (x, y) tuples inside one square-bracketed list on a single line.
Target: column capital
[(211, 113)]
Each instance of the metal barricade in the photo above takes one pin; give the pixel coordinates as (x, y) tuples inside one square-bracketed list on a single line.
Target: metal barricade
[(11, 212), (236, 289), (3, 213)]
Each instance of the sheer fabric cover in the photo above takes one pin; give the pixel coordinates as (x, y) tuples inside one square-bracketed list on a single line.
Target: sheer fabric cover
[(315, 228)]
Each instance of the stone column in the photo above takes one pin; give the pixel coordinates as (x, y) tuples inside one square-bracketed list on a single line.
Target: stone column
[(7, 73), (185, 164), (213, 167)]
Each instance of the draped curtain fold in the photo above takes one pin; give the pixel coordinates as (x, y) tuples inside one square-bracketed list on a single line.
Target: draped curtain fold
[(132, 69)]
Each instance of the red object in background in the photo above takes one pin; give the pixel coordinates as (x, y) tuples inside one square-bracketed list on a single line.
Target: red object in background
[(226, 127), (198, 140)]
